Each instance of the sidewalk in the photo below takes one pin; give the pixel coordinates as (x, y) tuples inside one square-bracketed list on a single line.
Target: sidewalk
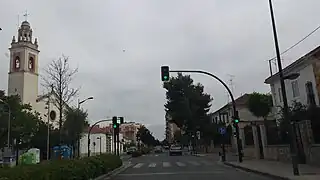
[(277, 170)]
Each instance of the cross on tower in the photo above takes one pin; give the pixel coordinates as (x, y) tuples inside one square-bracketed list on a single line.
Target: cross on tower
[(26, 15)]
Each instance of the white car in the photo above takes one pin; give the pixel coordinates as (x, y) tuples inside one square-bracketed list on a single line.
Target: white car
[(175, 150)]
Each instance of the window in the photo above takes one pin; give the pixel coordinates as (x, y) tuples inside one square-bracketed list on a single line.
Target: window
[(310, 93), (295, 88), (280, 94)]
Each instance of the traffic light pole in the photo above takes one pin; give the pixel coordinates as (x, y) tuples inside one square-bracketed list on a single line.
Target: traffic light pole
[(235, 113), (115, 141), (118, 143), (103, 120)]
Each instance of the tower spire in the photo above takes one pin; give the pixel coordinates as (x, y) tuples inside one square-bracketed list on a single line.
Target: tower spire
[(26, 14)]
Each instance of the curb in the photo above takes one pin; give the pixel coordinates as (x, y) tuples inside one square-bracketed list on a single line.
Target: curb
[(114, 172), (255, 171)]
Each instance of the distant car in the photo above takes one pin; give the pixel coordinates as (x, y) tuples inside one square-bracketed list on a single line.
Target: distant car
[(158, 149), (130, 150), (175, 150)]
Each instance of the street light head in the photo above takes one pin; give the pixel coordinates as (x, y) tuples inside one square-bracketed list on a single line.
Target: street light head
[(90, 97), (292, 76)]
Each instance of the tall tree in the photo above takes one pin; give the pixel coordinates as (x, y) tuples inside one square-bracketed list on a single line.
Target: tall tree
[(59, 75), (187, 104), (75, 123), (260, 104), (24, 121), (146, 136)]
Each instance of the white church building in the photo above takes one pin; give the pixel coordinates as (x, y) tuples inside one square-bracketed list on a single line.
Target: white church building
[(23, 78)]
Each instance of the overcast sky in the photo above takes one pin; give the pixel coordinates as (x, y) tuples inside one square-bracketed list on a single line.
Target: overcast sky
[(229, 38)]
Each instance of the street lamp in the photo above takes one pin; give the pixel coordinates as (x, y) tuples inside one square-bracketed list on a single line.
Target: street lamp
[(9, 120), (284, 96), (79, 103)]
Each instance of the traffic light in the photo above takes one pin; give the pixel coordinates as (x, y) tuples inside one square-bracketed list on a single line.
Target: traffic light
[(121, 120), (236, 118), (114, 122), (165, 73)]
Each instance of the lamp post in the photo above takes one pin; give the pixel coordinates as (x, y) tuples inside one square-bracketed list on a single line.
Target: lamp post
[(79, 104), (283, 92), (9, 120)]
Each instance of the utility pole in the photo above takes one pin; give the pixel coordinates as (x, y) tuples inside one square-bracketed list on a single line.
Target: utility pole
[(293, 145)]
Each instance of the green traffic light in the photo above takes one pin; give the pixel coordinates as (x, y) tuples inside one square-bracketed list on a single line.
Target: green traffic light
[(114, 126), (165, 77), (236, 120)]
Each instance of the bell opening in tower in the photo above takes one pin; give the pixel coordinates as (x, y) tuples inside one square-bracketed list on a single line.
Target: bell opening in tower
[(31, 64), (17, 63)]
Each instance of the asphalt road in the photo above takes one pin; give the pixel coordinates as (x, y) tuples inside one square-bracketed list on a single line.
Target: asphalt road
[(164, 167)]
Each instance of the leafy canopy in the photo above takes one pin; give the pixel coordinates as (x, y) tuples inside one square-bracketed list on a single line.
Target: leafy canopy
[(260, 104), (187, 104)]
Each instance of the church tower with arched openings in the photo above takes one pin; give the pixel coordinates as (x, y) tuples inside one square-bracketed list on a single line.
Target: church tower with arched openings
[(23, 69)]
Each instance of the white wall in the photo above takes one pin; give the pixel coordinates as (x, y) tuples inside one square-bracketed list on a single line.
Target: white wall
[(106, 144), (306, 74)]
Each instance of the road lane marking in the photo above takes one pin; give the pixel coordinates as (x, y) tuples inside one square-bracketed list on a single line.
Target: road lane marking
[(180, 164), (152, 165), (175, 173), (166, 164), (138, 165), (194, 163)]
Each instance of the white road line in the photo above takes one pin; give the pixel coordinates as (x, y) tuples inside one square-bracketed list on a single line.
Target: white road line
[(152, 165), (173, 173), (194, 163), (138, 165), (166, 164), (180, 164)]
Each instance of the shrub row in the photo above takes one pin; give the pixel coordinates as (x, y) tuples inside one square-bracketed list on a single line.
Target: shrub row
[(77, 169)]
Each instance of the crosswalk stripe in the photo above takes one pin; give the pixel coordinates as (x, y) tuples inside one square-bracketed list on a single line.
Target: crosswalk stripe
[(166, 164), (152, 165), (180, 164), (194, 163), (138, 165)]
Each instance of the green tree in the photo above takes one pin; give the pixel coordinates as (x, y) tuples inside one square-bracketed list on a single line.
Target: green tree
[(146, 136), (24, 121), (187, 104), (260, 104), (75, 123)]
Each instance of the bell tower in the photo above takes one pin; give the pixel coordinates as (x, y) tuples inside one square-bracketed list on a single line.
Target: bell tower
[(23, 68)]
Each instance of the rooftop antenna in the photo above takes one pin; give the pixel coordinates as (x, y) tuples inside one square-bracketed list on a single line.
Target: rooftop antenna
[(231, 85), (26, 14), (18, 22)]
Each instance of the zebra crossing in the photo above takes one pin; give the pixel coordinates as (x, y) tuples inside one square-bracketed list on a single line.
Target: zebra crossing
[(171, 164)]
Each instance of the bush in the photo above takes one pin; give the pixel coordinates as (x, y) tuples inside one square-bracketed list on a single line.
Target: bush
[(78, 169)]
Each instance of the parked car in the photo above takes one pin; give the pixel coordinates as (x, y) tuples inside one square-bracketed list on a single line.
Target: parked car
[(158, 149), (175, 150), (131, 149)]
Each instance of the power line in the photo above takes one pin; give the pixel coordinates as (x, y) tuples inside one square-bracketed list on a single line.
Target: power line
[(297, 43)]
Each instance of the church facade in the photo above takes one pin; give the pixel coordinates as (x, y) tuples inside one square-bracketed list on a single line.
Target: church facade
[(23, 78)]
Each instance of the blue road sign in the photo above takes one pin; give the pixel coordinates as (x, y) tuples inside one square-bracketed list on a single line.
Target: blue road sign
[(222, 130)]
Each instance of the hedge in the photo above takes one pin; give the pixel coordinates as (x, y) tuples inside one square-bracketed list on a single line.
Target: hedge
[(77, 169)]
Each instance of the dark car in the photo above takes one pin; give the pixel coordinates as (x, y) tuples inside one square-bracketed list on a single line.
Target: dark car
[(175, 150)]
